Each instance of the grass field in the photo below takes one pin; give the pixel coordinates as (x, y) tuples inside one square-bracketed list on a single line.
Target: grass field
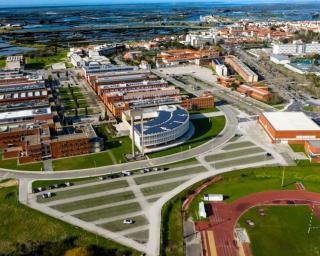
[(86, 190), (234, 185), (204, 110), (92, 202), (153, 190), (190, 161), (12, 164), (2, 63), (109, 212), (20, 224), (205, 129), (297, 147), (169, 175), (233, 154), (241, 161), (43, 62), (238, 145), (271, 235), (118, 225)]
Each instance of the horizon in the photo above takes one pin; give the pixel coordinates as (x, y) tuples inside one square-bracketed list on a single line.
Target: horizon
[(58, 3)]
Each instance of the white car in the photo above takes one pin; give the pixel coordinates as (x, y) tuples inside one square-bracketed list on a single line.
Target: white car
[(128, 221)]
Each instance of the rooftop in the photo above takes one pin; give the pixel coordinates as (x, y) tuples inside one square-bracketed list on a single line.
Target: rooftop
[(25, 113), (291, 121), (169, 117)]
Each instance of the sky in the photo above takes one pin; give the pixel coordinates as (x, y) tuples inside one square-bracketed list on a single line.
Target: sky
[(22, 3)]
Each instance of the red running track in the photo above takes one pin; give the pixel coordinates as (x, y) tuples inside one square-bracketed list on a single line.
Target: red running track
[(224, 217)]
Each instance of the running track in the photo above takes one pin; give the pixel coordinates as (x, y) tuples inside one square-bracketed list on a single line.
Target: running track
[(224, 216)]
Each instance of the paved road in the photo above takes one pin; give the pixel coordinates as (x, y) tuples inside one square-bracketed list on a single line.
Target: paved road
[(226, 134), (209, 83)]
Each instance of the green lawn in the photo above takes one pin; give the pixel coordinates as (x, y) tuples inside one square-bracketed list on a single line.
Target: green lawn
[(241, 183), (243, 144), (2, 63), (271, 235), (204, 110), (205, 129), (21, 225), (12, 164), (234, 185), (241, 161), (140, 236), (86, 190), (153, 190), (233, 154), (70, 100), (109, 212), (44, 62), (190, 161), (169, 175), (93, 202), (118, 225), (297, 147)]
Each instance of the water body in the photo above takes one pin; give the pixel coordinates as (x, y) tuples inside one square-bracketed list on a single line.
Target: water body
[(8, 49), (34, 19), (65, 18)]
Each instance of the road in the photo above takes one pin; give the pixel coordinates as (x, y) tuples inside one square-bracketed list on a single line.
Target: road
[(223, 137), (207, 81)]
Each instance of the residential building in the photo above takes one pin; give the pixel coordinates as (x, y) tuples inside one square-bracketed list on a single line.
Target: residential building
[(242, 69)]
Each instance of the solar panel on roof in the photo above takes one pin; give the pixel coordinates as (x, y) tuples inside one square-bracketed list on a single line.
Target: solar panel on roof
[(165, 121)]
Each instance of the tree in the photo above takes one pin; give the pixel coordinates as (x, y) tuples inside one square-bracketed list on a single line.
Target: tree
[(78, 251)]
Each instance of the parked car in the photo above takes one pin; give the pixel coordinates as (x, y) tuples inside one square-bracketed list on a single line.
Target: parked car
[(128, 221), (47, 195), (54, 186), (39, 189), (68, 184), (103, 177)]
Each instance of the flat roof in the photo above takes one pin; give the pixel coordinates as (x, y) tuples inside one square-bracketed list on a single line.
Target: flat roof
[(291, 121), (25, 113), (314, 143)]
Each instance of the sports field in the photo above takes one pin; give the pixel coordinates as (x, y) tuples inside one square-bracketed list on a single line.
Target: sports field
[(283, 231)]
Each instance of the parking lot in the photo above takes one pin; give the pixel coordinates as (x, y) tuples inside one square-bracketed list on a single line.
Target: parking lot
[(120, 205), (106, 202)]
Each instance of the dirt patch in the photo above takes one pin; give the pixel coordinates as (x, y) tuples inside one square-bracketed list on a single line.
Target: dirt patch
[(8, 183)]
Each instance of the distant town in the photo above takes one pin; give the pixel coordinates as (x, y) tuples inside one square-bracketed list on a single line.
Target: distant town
[(192, 142)]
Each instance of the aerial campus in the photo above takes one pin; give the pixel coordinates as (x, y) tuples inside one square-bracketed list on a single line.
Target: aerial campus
[(163, 129)]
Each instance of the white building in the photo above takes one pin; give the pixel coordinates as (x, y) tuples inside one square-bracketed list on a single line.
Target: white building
[(199, 40), (296, 48), (221, 70), (145, 65), (76, 60), (14, 62), (202, 210), (213, 197), (170, 123)]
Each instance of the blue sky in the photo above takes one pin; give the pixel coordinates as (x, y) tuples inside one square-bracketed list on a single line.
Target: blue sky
[(21, 3)]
